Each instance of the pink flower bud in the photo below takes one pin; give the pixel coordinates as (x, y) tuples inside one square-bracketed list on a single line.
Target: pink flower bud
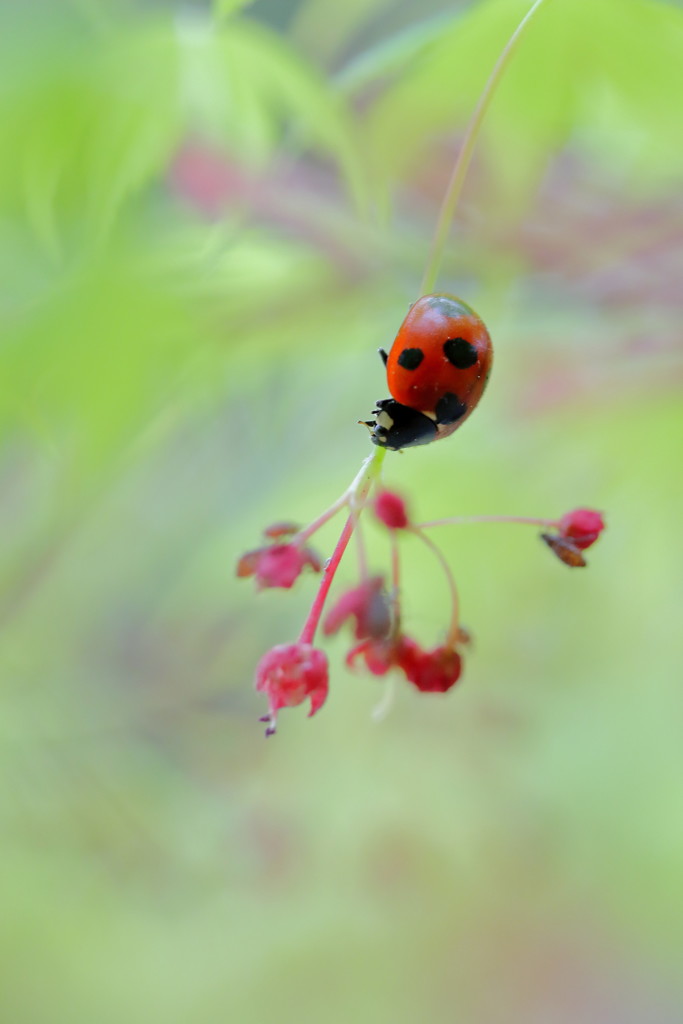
[(277, 565), (368, 605), (582, 527), (280, 566), (390, 509), (289, 674)]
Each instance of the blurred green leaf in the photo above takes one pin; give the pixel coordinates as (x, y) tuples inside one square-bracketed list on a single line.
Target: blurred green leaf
[(91, 358), (224, 8), (324, 30), (246, 88), (391, 55), (571, 55), (93, 125)]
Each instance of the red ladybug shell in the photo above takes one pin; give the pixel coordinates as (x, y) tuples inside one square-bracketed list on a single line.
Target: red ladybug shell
[(440, 360)]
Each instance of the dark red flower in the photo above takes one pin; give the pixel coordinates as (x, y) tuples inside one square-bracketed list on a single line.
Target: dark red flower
[(430, 671), (368, 604), (277, 565), (582, 527), (433, 671), (390, 509), (289, 674)]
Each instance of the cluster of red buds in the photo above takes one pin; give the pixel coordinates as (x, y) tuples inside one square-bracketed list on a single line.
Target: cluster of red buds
[(290, 674)]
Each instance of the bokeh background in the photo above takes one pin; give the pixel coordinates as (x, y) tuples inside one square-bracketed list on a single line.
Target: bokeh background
[(210, 218)]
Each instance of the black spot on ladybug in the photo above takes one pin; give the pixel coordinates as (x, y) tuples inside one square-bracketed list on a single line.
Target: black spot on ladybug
[(410, 358), (460, 353), (449, 409)]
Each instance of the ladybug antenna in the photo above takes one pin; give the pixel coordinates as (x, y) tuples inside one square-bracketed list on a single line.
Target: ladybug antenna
[(461, 166)]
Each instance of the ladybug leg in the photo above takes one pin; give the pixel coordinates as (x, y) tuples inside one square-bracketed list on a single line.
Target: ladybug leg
[(383, 355)]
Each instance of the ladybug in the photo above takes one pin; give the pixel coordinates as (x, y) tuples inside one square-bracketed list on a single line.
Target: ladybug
[(437, 370)]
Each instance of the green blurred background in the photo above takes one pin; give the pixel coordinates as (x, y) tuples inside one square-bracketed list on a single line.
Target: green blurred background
[(210, 218)]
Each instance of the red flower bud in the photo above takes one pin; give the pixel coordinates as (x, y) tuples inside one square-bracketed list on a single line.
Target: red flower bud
[(390, 509), (582, 527), (577, 530), (288, 675)]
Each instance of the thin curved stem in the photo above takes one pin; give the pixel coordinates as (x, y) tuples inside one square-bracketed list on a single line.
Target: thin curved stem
[(395, 583), (382, 709), (462, 520), (349, 497), (329, 513), (461, 166), (454, 630)]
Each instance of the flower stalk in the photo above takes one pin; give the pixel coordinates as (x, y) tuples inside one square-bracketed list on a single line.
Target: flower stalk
[(453, 635), (462, 164), (292, 673)]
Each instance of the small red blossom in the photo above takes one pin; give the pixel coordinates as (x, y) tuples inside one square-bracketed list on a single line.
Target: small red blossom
[(577, 530), (390, 509), (434, 671), (582, 527), (368, 605), (277, 565), (430, 671), (288, 675)]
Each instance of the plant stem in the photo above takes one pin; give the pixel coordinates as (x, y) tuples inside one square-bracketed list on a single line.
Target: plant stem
[(313, 527), (311, 623), (395, 583), (355, 495), (461, 166), (357, 491), (360, 547), (460, 520), (454, 630)]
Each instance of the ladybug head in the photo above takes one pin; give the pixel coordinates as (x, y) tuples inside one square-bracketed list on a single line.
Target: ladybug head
[(396, 426)]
